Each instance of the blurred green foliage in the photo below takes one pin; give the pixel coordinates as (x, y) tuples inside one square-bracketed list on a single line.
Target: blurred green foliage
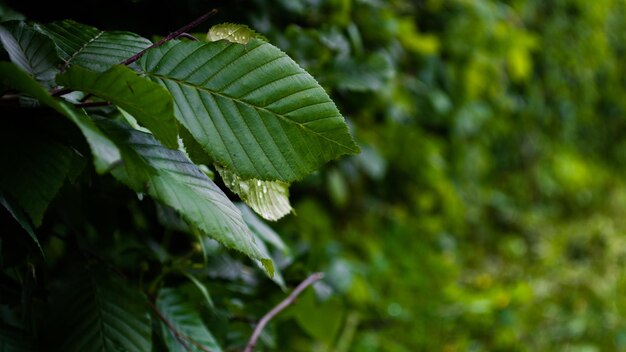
[(486, 211)]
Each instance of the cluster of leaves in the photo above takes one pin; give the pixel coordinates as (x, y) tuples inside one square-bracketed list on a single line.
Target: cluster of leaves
[(485, 211), (86, 262)]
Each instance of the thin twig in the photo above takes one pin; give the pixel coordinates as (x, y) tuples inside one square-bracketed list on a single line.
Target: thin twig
[(182, 31), (171, 36), (278, 308)]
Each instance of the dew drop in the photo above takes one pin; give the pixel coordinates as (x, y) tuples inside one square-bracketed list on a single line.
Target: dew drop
[(264, 189), (258, 182)]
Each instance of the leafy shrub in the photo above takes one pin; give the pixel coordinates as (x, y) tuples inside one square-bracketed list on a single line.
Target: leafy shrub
[(85, 265)]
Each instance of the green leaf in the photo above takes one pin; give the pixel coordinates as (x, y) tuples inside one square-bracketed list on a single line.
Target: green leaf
[(194, 150), (262, 230), (202, 288), (321, 320), (362, 74), (182, 317), (105, 153), (21, 219), (270, 199), (32, 51), (265, 234), (15, 340), (8, 14), (35, 173), (89, 47), (234, 33), (97, 311), (169, 177), (145, 100), (251, 107), (275, 275)]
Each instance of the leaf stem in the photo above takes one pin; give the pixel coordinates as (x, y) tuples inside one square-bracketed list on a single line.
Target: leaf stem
[(171, 36), (280, 307)]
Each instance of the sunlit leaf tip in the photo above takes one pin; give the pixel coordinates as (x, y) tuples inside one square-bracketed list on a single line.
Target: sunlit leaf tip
[(270, 199), (234, 33)]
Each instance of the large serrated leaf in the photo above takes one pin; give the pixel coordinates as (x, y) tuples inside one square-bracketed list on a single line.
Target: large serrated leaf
[(169, 177), (270, 199), (105, 153), (251, 107), (86, 46), (146, 101), (32, 51), (34, 174), (97, 311), (184, 330)]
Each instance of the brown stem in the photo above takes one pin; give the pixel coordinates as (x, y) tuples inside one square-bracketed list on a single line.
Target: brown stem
[(171, 36), (57, 92), (280, 307)]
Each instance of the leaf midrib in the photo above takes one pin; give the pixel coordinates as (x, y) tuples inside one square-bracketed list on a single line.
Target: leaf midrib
[(82, 48), (243, 102)]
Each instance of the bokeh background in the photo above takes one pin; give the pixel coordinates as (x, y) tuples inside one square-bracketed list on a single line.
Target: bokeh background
[(487, 211)]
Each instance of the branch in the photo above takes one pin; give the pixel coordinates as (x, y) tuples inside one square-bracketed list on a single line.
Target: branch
[(171, 36), (180, 32), (57, 92), (280, 307)]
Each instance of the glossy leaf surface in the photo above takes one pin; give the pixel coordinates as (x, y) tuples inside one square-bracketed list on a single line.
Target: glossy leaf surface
[(98, 311), (169, 177), (251, 107), (32, 51), (146, 101), (89, 47), (184, 330)]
